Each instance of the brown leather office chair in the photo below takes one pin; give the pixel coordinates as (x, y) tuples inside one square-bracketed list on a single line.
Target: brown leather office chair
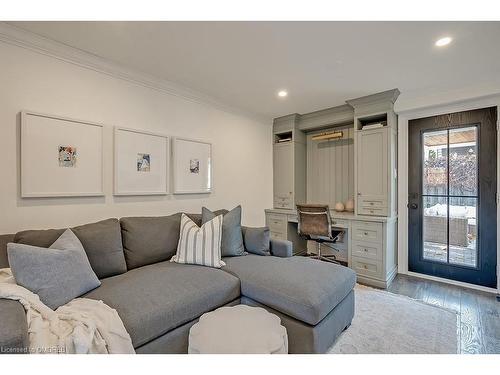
[(315, 224)]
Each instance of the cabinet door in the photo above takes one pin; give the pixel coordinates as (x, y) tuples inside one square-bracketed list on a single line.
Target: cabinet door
[(283, 175), (372, 160)]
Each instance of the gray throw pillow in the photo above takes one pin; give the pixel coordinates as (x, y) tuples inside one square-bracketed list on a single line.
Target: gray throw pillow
[(257, 240), (57, 274), (232, 238)]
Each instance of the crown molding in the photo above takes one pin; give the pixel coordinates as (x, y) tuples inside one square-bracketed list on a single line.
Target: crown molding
[(414, 102), (26, 39)]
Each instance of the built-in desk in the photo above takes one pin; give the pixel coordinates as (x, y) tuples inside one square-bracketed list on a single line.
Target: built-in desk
[(371, 242)]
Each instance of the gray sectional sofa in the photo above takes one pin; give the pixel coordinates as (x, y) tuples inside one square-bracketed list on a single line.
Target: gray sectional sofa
[(158, 301)]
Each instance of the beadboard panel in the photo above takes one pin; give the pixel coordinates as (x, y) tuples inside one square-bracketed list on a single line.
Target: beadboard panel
[(330, 168)]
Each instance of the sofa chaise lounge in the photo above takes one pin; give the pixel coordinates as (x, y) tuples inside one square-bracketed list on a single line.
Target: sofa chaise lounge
[(159, 301)]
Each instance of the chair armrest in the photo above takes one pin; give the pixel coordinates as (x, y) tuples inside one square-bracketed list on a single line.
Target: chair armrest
[(281, 248), (14, 327)]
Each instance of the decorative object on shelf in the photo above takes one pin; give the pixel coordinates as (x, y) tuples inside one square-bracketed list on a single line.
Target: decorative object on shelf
[(349, 205), (142, 161), (192, 166), (60, 157), (328, 135), (339, 207), (374, 125)]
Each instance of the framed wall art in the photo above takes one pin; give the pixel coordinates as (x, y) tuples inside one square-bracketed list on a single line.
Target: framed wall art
[(60, 157), (142, 161), (192, 166)]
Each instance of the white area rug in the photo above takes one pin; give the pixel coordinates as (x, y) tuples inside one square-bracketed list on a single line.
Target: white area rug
[(393, 324)]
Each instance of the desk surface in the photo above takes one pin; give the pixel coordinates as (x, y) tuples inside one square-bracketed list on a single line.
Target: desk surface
[(334, 214)]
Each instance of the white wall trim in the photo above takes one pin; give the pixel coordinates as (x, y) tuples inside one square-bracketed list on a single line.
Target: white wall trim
[(453, 282), (404, 116), (22, 38)]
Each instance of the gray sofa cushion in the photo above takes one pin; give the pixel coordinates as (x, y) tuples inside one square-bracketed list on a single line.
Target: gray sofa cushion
[(4, 240), (148, 240), (102, 242), (57, 274), (257, 240), (14, 327), (305, 289), (157, 298), (232, 238)]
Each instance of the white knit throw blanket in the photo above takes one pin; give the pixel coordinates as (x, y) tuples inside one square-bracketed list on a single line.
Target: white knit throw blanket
[(81, 326)]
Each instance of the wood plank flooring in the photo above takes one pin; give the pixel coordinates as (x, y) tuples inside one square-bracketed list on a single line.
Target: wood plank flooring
[(479, 311)]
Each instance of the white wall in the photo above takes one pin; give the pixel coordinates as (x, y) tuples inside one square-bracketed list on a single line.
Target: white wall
[(242, 150)]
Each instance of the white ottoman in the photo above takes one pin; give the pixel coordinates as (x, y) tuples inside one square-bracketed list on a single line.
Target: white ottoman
[(238, 330)]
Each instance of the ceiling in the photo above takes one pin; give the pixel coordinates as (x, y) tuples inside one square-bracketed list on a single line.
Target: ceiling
[(320, 64)]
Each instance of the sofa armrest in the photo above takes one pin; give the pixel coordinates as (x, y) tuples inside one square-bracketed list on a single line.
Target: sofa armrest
[(281, 248), (14, 327)]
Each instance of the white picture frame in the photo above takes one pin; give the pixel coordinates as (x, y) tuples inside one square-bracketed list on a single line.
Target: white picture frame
[(60, 157), (141, 162), (192, 166)]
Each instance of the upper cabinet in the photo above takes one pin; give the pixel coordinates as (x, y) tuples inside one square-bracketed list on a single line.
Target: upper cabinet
[(375, 164), (289, 163), (372, 166), (361, 162)]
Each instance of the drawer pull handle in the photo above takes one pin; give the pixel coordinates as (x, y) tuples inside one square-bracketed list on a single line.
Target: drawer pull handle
[(366, 233), (365, 267), (366, 250)]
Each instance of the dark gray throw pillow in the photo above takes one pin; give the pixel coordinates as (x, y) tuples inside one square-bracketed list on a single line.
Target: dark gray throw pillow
[(232, 238), (57, 274), (257, 240), (102, 242)]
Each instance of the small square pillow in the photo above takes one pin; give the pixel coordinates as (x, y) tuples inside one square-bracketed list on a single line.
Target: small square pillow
[(57, 274), (232, 238), (200, 245), (257, 240)]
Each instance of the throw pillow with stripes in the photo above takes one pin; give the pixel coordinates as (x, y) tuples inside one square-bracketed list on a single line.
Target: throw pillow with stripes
[(200, 245)]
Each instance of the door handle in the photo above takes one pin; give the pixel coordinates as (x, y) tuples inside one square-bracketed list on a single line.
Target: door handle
[(413, 206)]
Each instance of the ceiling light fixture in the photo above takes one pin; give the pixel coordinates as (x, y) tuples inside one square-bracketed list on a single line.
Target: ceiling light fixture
[(282, 93), (443, 41)]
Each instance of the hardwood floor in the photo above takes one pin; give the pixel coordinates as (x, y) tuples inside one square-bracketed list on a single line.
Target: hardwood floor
[(479, 311)]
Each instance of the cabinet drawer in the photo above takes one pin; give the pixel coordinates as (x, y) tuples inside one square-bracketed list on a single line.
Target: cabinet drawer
[(277, 235), (367, 232), (277, 223), (373, 211), (341, 223), (283, 202), (367, 267), (373, 203), (367, 250)]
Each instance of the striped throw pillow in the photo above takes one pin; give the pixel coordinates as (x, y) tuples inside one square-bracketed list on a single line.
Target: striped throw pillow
[(200, 245)]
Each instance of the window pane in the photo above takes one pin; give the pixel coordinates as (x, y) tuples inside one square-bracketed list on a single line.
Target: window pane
[(463, 161), (435, 173), (463, 231), (435, 229)]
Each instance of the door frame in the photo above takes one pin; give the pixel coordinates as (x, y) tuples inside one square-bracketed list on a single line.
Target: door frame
[(403, 119)]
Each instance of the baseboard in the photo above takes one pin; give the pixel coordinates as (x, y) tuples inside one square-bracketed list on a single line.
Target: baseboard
[(453, 282)]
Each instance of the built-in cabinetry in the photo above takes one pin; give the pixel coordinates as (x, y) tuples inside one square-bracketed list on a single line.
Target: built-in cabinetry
[(313, 169), (370, 242), (375, 126), (289, 163), (373, 251)]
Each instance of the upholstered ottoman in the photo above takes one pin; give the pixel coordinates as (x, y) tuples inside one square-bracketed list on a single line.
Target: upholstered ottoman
[(238, 330)]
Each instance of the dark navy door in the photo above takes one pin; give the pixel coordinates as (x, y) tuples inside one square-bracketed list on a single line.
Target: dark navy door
[(452, 196)]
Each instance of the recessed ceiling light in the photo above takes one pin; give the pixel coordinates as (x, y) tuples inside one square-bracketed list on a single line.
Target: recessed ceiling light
[(282, 93), (443, 41)]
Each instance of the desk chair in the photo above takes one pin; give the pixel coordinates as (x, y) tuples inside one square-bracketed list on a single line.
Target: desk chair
[(315, 224)]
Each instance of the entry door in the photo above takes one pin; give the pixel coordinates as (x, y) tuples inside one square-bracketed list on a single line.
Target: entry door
[(452, 196)]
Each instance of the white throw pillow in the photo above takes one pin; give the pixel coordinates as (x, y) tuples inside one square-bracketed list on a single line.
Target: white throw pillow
[(200, 245)]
